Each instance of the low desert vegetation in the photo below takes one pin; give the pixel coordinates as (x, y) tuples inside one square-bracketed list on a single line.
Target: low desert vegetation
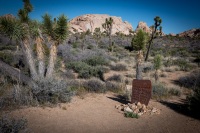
[(46, 64)]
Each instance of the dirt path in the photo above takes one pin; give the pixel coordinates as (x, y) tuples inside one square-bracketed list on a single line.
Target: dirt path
[(96, 113)]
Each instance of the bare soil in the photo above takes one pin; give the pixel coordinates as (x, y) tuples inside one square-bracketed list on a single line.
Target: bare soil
[(97, 113)]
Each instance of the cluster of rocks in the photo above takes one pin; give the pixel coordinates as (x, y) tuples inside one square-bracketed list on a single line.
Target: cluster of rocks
[(137, 108)]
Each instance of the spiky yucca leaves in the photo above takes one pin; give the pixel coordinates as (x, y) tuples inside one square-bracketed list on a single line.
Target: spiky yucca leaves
[(139, 41), (12, 28), (15, 30), (57, 31), (23, 13), (154, 28)]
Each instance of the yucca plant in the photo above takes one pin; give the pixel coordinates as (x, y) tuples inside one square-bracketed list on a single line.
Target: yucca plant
[(15, 30), (138, 43), (57, 31)]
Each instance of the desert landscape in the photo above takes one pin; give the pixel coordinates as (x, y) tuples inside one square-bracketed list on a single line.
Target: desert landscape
[(89, 73)]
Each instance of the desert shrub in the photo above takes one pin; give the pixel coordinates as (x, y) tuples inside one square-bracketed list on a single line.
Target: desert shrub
[(174, 92), (163, 74), (94, 85), (117, 78), (96, 60), (86, 71), (159, 91), (12, 95), (119, 67), (113, 86), (11, 125), (147, 67), (105, 69), (130, 75), (191, 81), (22, 95), (183, 64), (194, 100), (9, 47), (77, 66), (51, 91), (69, 74), (131, 115), (168, 63), (6, 57), (75, 44)]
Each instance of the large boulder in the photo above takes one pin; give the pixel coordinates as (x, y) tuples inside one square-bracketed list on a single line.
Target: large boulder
[(142, 25), (92, 21)]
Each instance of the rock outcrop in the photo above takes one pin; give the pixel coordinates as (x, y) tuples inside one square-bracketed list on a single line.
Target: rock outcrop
[(142, 25), (92, 21), (190, 33)]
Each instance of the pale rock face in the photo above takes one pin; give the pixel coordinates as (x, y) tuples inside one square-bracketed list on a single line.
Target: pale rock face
[(144, 27), (190, 33), (92, 21)]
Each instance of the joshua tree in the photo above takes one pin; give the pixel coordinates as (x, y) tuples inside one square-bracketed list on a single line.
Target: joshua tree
[(97, 35), (26, 32), (108, 28), (157, 65), (138, 43), (154, 28), (57, 32), (20, 31)]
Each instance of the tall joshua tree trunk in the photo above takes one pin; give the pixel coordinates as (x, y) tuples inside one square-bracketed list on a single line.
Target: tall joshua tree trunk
[(52, 60), (30, 60), (40, 53), (138, 65)]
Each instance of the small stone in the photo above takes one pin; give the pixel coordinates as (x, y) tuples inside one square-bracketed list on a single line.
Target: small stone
[(154, 110), (133, 107), (127, 109), (140, 113), (139, 105), (144, 106), (117, 106), (141, 110), (158, 112), (136, 111)]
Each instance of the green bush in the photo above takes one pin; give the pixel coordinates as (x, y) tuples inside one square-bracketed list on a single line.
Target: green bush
[(86, 71), (182, 64), (94, 85), (11, 125), (131, 115), (174, 92), (96, 60)]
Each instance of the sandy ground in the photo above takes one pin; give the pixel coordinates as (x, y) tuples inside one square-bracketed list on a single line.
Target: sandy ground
[(97, 113)]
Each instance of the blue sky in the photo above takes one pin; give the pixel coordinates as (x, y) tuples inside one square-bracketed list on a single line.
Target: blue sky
[(177, 15)]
